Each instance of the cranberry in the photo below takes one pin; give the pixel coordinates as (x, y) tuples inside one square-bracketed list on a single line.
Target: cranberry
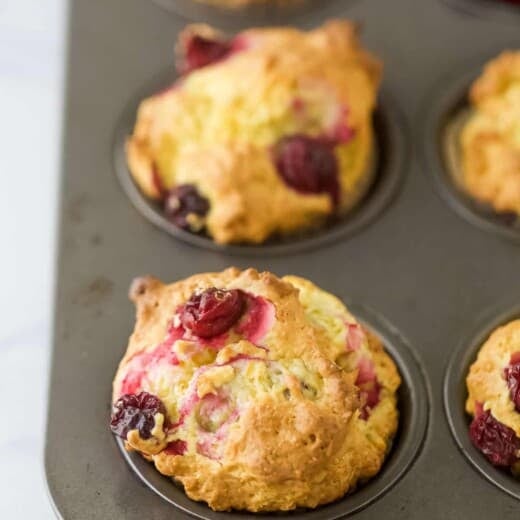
[(136, 412), (369, 393), (212, 312), (184, 205), (178, 447), (258, 320), (512, 375), (369, 387), (199, 51), (308, 165), (495, 440)]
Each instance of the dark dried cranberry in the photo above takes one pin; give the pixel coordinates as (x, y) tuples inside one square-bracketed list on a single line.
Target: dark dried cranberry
[(495, 440), (512, 375), (186, 208), (308, 165), (199, 51), (136, 412), (212, 312)]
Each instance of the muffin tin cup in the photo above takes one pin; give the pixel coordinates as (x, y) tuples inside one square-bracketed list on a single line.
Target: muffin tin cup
[(455, 394), (413, 404), (389, 162), (442, 155), (493, 9)]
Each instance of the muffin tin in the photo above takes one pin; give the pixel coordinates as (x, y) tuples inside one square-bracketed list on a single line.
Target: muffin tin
[(430, 273)]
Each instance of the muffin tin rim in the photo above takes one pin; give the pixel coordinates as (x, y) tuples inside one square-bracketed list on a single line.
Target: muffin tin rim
[(449, 102), (456, 372), (384, 190), (398, 463)]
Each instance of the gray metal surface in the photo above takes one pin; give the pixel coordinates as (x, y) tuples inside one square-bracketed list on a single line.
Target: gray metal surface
[(430, 273)]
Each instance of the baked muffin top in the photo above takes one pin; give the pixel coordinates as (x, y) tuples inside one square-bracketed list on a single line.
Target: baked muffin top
[(266, 133), (494, 397), (254, 392), (491, 137)]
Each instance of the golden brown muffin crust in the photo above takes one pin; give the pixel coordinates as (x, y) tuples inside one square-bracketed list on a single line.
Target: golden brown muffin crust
[(296, 439)]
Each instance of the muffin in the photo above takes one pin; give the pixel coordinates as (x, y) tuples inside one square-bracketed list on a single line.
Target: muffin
[(494, 398), (491, 137), (267, 133), (254, 392)]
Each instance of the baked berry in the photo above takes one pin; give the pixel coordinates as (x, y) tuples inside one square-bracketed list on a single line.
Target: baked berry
[(199, 51), (178, 447), (136, 412), (308, 165), (212, 312), (512, 376), (494, 439), (186, 207)]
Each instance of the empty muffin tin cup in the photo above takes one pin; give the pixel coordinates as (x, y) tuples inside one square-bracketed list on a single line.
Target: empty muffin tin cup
[(501, 10), (388, 163), (413, 403), (442, 156), (240, 13), (455, 394)]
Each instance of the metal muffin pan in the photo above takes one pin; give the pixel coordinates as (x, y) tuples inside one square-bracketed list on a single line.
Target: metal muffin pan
[(389, 162), (427, 271), (414, 410), (445, 120), (455, 393)]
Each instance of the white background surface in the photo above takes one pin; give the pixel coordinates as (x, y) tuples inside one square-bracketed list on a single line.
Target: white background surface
[(31, 71)]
